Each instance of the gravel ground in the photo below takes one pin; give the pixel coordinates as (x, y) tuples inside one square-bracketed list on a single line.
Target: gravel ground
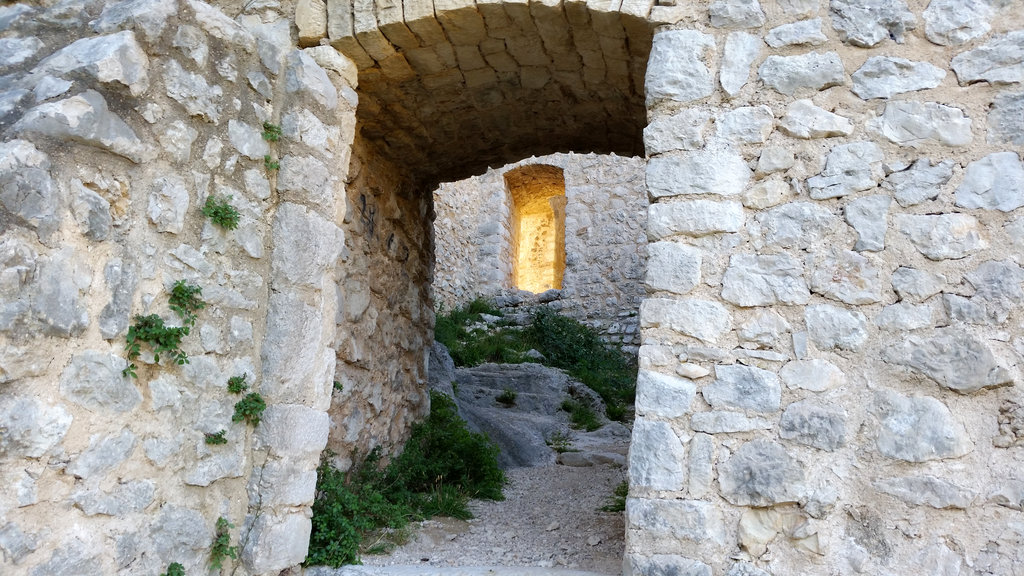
[(549, 518)]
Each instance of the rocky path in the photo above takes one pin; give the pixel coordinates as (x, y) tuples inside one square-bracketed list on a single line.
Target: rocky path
[(550, 518)]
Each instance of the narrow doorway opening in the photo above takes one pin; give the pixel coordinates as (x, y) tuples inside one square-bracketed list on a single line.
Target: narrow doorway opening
[(538, 226)]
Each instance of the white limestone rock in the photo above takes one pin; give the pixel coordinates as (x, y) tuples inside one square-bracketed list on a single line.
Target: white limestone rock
[(701, 319), (953, 358), (767, 193), (830, 327), (168, 204), (764, 280), (663, 396), (916, 285), (31, 427), (744, 387), (956, 22), (761, 473), (639, 565), (741, 50), (887, 76), (1006, 119), (124, 498), (917, 429), (148, 17), (792, 75), (774, 159), (247, 139), (926, 490), (997, 293), (60, 304), (746, 125), (1000, 61), (110, 58), (763, 330), (735, 14), (683, 130), (103, 455), (304, 77), (714, 170), (192, 91), (799, 8), (14, 51), (677, 68), (995, 182), (672, 267), (869, 218), (669, 521), (921, 182), (93, 380), (693, 218), (795, 225), (726, 422), (849, 168), (919, 124), (815, 375), (221, 26), (805, 120), (84, 118), (942, 236), (847, 277), (904, 316), (866, 23), (812, 424), (799, 33), (306, 247), (656, 456), (192, 43), (28, 192)]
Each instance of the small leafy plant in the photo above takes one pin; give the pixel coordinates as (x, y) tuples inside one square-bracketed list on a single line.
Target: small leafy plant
[(560, 442), (271, 132), (221, 212), (237, 384), (249, 409), (507, 397), (222, 547), (581, 414), (163, 339), (617, 501), (271, 164), (216, 438), (185, 300), (174, 569)]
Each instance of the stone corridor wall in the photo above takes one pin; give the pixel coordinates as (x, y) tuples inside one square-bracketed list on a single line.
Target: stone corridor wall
[(605, 241), (830, 368)]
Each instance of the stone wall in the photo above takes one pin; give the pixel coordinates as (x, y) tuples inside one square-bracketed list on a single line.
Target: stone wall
[(118, 121), (832, 340), (605, 242)]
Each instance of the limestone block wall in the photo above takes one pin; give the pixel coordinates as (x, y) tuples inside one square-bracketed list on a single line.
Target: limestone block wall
[(830, 366), (118, 120), (605, 240)]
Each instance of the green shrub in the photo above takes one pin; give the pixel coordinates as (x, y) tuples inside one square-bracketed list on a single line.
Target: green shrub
[(507, 397), (222, 547), (237, 385), (617, 501), (270, 164), (174, 569), (581, 414), (271, 132), (185, 301), (162, 339), (221, 212), (442, 466), (216, 438), (560, 442), (249, 409)]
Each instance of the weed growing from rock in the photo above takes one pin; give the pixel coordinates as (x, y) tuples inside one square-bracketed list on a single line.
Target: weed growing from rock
[(174, 569), (560, 442), (216, 438), (581, 414), (270, 164), (507, 397), (221, 212), (237, 385), (163, 339), (617, 501), (222, 548), (271, 132), (185, 301), (442, 466), (249, 409)]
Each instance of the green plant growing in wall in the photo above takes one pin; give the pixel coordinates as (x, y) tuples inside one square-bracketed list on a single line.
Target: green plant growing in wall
[(271, 132), (222, 547), (174, 569), (221, 212), (249, 409), (237, 384), (216, 438), (271, 164), (161, 338)]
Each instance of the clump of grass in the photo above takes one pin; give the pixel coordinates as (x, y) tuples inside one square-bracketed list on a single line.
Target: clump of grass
[(560, 442), (442, 466), (617, 501), (581, 414), (507, 397)]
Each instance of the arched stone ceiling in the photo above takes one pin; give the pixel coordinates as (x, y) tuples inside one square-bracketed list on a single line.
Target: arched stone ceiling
[(451, 87)]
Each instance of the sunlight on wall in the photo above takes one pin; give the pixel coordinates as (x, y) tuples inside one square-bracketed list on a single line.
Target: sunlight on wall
[(538, 226)]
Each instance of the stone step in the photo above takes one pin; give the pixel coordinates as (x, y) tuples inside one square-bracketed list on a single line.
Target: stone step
[(445, 571)]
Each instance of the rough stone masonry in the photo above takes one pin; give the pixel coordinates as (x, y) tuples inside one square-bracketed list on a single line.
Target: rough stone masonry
[(832, 331)]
